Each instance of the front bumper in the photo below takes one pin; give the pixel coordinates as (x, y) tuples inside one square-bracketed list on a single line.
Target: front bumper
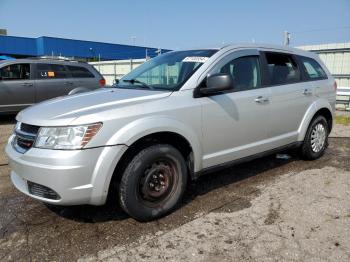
[(77, 176)]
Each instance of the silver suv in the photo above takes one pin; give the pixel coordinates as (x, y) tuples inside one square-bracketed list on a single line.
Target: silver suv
[(24, 82), (175, 117)]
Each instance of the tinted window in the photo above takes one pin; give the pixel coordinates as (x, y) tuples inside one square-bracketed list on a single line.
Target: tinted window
[(312, 68), (15, 72), (282, 69), (245, 72), (50, 71), (79, 72)]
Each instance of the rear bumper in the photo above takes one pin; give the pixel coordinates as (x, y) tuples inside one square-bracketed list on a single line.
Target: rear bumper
[(77, 176)]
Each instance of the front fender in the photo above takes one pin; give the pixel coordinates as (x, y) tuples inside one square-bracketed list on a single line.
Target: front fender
[(137, 129), (310, 113)]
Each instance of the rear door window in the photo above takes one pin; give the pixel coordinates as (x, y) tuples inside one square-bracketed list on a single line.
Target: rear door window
[(282, 69), (80, 72), (51, 71), (15, 72), (312, 69)]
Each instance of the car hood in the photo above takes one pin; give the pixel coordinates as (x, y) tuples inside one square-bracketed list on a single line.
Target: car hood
[(63, 110)]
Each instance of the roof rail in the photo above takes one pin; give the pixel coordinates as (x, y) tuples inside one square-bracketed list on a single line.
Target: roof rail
[(59, 58)]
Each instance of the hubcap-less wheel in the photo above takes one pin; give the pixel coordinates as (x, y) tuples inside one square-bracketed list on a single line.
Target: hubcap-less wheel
[(153, 182), (318, 137), (158, 181)]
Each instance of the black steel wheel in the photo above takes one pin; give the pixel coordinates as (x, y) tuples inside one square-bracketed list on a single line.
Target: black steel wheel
[(153, 182)]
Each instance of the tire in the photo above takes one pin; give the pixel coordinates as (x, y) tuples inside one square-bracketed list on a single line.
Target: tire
[(153, 182), (312, 148)]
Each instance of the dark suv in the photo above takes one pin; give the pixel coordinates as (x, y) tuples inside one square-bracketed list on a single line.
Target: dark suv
[(24, 82)]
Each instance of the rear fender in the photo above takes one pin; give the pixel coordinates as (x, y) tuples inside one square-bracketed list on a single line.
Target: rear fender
[(309, 115)]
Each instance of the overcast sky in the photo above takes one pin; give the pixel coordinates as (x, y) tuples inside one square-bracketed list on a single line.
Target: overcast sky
[(181, 23)]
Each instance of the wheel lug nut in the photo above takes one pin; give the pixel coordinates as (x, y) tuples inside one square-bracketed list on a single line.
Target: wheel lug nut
[(162, 183), (154, 176), (151, 185), (161, 176)]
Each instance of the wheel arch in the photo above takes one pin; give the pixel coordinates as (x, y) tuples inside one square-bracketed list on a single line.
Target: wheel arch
[(162, 137), (321, 107)]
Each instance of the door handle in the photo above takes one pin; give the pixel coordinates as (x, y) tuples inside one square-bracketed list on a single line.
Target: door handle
[(261, 99), (27, 84), (307, 92), (69, 83)]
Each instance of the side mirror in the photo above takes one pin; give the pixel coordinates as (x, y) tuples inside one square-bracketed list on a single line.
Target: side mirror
[(217, 83)]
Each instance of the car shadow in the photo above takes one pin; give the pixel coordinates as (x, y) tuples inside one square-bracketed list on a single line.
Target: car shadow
[(203, 185)]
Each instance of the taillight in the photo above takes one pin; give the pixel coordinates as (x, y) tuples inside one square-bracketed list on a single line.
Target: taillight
[(102, 82), (335, 86)]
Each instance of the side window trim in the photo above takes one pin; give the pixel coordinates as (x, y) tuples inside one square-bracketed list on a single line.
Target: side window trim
[(68, 72), (265, 82), (303, 74)]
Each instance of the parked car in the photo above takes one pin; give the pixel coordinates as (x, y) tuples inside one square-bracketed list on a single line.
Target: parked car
[(24, 82), (172, 119)]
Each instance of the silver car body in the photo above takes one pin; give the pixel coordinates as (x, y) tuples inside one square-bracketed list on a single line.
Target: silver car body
[(220, 129)]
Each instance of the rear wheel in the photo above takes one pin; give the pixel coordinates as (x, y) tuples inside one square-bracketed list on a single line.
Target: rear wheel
[(153, 182), (316, 139)]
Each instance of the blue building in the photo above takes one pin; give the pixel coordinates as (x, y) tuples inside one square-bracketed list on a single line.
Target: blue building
[(20, 47)]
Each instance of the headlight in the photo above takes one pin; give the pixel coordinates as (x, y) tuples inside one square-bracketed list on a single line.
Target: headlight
[(70, 137)]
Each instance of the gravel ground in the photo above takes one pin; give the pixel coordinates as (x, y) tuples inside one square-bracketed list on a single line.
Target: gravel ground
[(266, 210), (304, 216)]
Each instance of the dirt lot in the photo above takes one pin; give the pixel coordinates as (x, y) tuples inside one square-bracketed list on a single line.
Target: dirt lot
[(265, 210)]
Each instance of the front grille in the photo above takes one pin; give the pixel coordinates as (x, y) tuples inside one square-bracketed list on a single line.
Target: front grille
[(29, 128), (42, 191), (25, 137)]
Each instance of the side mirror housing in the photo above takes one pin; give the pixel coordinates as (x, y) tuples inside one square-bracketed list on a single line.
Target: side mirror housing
[(217, 83)]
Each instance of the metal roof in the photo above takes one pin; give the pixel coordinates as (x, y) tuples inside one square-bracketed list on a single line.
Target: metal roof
[(47, 46)]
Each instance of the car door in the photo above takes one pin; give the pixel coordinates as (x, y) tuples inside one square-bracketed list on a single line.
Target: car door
[(291, 96), (51, 81), (234, 124), (17, 89)]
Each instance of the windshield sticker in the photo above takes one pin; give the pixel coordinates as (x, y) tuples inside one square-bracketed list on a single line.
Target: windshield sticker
[(195, 59)]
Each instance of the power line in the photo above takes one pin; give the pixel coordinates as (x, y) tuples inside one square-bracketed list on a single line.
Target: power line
[(321, 29)]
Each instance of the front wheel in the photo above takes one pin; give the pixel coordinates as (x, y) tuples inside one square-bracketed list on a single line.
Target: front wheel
[(153, 182), (316, 139)]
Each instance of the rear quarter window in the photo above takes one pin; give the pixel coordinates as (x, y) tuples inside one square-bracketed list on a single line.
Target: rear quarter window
[(80, 72), (312, 68)]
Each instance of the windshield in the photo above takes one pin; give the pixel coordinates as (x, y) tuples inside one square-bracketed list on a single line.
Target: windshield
[(166, 72)]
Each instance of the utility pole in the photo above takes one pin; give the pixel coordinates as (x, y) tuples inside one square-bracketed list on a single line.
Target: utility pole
[(147, 58), (286, 38)]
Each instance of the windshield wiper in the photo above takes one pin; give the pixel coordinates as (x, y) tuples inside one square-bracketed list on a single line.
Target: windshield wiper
[(133, 81)]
